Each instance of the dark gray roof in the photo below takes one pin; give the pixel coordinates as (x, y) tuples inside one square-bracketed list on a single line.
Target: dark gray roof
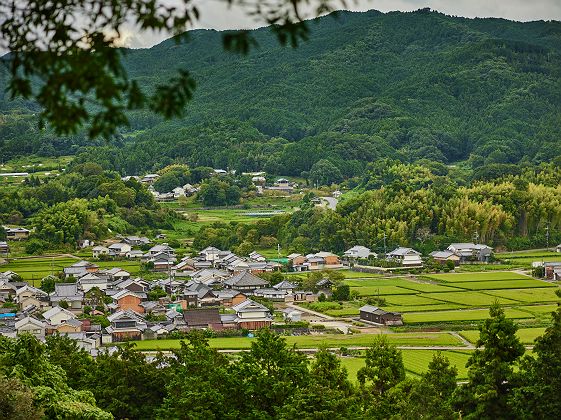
[(245, 279)]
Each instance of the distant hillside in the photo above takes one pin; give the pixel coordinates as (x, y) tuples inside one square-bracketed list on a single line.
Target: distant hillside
[(365, 86)]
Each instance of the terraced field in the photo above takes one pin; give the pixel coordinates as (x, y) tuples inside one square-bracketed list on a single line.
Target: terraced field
[(460, 315), (485, 276)]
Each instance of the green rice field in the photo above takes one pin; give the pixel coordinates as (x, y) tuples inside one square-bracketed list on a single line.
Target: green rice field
[(460, 315), (526, 335), (416, 362), (315, 341), (486, 276)]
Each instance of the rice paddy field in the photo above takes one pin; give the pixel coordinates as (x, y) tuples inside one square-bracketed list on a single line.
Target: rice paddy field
[(416, 362), (456, 297), (528, 257), (33, 270), (526, 335), (316, 341)]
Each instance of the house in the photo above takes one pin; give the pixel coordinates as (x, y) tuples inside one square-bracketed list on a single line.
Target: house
[(444, 256), (7, 289), (557, 248), (205, 294), (160, 249), (359, 252), (245, 282), (119, 249), (407, 257), (205, 318), (135, 253), (125, 325), (58, 315), (127, 300), (116, 274), (552, 270), (136, 240), (99, 250), (149, 178), (69, 326), (471, 252), (252, 315), (4, 249), (84, 243), (163, 262), (27, 296), (91, 280), (69, 293), (133, 285), (17, 233), (210, 254), (286, 286), (229, 298), (255, 256), (30, 325), (379, 316), (80, 269), (291, 315), (271, 294), (330, 260)]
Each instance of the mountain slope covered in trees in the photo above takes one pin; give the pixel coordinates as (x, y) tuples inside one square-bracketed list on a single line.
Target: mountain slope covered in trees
[(365, 86)]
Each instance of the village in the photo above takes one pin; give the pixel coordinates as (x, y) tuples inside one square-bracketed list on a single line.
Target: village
[(213, 290)]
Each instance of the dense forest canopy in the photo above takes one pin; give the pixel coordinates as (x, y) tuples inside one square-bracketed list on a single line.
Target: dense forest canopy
[(365, 86)]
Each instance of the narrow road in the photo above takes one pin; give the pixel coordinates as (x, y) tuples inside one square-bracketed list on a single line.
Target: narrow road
[(309, 311)]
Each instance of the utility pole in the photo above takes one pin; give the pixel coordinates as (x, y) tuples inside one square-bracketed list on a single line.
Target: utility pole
[(278, 251), (547, 236), (385, 249)]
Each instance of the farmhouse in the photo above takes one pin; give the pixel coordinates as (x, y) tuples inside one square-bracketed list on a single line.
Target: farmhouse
[(127, 300), (99, 250), (252, 315), (407, 257), (444, 256), (359, 252), (125, 325), (205, 318), (69, 293), (30, 325), (58, 315), (119, 249), (379, 316), (471, 252), (245, 281), (17, 233)]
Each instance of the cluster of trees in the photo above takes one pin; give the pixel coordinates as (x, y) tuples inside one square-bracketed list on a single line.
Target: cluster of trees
[(273, 380), (84, 203), (452, 95), (425, 205)]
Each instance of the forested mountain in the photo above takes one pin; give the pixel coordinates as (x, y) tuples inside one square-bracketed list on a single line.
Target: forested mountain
[(365, 86)]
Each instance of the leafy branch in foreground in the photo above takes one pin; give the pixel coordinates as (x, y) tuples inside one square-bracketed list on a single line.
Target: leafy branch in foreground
[(64, 54)]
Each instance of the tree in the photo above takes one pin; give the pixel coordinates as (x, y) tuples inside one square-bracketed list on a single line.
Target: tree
[(329, 395), (16, 401), (70, 46), (383, 371), (431, 396), (490, 369), (540, 376), (126, 384), (384, 368), (269, 374), (342, 292), (202, 383), (48, 284), (324, 172)]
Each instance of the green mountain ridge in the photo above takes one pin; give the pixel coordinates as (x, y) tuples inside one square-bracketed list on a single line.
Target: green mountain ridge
[(370, 85)]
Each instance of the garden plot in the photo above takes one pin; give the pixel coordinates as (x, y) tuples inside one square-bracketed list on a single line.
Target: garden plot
[(527, 295), (477, 277), (475, 299), (460, 315)]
